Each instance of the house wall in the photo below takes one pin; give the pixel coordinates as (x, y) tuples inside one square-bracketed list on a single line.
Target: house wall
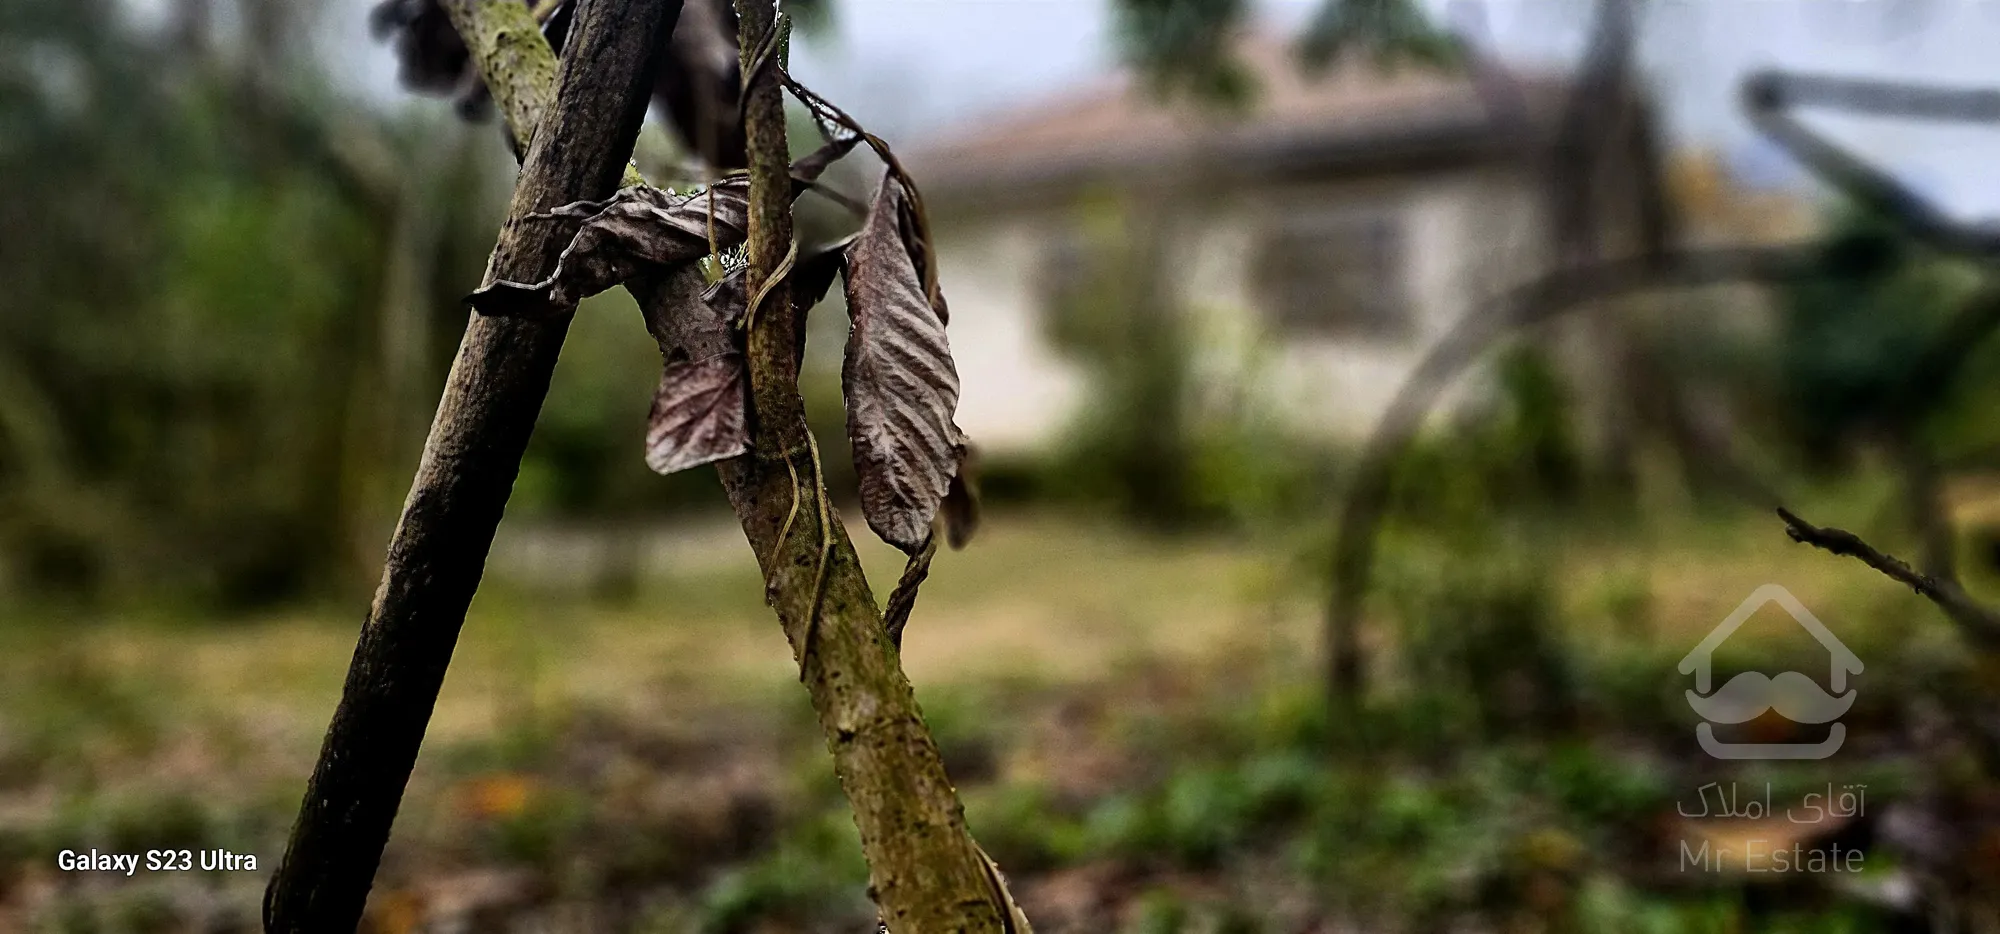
[(1016, 392), (1467, 234)]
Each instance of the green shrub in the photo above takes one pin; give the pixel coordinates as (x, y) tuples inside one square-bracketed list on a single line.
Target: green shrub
[(814, 875)]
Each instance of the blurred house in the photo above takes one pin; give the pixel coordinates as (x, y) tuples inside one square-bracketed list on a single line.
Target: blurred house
[(1320, 237)]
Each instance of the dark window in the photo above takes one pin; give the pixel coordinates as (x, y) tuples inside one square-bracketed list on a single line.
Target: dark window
[(1336, 274)]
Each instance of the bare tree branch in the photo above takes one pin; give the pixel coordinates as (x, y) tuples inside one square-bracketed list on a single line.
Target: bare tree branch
[(1979, 623), (903, 600), (1769, 98), (484, 419)]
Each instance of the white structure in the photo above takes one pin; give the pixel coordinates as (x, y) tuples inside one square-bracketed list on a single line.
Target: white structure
[(1331, 231)]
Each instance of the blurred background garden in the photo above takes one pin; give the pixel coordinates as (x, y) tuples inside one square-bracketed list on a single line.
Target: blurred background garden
[(1193, 249)]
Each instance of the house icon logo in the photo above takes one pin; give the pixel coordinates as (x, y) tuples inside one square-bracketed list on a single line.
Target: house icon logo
[(1749, 695)]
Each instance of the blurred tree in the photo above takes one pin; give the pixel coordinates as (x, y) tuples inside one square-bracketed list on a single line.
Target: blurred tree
[(1134, 445), (1389, 30), (194, 238), (1852, 337), (1853, 334), (1183, 46)]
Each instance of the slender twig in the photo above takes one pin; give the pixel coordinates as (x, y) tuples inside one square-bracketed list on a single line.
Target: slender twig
[(825, 109), (926, 873), (487, 413), (902, 600), (1979, 622)]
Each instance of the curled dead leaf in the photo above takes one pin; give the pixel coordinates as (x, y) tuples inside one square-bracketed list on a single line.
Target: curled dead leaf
[(900, 383), (961, 503), (701, 410), (641, 230), (814, 273)]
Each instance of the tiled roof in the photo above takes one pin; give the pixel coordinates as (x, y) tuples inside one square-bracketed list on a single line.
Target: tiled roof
[(1295, 120)]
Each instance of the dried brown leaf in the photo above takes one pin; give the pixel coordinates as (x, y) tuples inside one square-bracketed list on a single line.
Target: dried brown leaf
[(900, 384), (697, 419), (961, 505), (814, 273), (815, 163), (642, 230), (701, 409), (700, 413), (683, 319)]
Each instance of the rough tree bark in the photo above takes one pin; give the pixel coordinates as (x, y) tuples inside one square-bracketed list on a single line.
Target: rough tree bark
[(925, 872), (469, 463)]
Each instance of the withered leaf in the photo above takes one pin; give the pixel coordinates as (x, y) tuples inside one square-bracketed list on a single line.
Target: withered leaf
[(701, 410), (641, 230), (681, 318), (814, 273), (697, 418), (900, 384), (808, 170), (699, 413), (961, 503)]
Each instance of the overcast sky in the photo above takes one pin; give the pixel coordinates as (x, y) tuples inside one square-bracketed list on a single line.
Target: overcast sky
[(910, 67)]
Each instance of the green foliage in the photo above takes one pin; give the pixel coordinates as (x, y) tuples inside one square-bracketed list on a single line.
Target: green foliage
[(1204, 813), (586, 457), (1160, 912), (71, 709), (1536, 433), (1482, 623), (1025, 828), (1854, 335), (1518, 452), (190, 327), (814, 874), (1183, 47), (551, 827), (1391, 31)]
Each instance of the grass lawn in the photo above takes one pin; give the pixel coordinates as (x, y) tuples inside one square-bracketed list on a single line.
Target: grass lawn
[(1043, 654)]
